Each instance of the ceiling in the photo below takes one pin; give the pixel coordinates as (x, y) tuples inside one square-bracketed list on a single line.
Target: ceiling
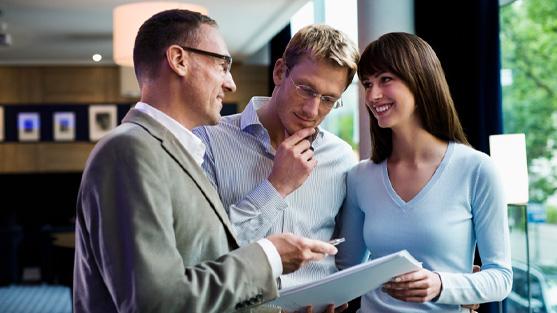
[(70, 31)]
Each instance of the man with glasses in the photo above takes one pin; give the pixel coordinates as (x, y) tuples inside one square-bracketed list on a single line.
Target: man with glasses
[(151, 232), (274, 168)]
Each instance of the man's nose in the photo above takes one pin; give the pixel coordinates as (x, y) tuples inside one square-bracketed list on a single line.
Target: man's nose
[(228, 83), (311, 106)]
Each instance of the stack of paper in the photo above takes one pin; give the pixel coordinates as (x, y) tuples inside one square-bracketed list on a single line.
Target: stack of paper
[(343, 286)]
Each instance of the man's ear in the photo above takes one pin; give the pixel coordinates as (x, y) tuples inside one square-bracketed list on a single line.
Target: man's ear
[(279, 72), (177, 60)]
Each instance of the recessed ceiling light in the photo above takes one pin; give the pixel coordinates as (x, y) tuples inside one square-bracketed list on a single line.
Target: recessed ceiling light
[(97, 57)]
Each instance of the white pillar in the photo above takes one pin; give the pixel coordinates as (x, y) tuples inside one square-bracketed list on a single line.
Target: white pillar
[(375, 18)]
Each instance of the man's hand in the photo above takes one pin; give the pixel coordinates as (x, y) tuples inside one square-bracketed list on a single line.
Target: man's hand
[(293, 162), (295, 251), (330, 309), (418, 286)]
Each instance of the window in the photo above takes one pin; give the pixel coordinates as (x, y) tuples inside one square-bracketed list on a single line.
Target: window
[(529, 63), (341, 15)]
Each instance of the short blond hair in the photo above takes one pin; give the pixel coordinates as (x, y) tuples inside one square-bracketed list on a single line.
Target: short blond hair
[(322, 42)]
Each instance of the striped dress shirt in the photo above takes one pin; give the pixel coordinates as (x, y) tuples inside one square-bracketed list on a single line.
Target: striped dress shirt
[(238, 160)]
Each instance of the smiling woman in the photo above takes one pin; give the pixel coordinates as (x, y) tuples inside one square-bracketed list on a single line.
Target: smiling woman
[(423, 181)]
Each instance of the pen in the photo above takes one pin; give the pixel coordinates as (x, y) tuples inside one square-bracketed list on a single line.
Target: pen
[(335, 242)]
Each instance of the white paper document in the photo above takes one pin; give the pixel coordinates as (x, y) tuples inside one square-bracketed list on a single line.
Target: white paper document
[(347, 284)]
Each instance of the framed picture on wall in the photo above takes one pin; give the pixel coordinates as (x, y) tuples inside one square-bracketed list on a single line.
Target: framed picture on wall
[(28, 126), (63, 126), (102, 118), (1, 123)]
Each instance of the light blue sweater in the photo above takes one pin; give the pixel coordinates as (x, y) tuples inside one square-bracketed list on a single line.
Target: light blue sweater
[(461, 205)]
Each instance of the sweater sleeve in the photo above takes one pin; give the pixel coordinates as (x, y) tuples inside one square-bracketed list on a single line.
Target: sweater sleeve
[(350, 226), (494, 281)]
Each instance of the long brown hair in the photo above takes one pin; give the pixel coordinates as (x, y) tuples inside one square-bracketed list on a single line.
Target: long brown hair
[(413, 60)]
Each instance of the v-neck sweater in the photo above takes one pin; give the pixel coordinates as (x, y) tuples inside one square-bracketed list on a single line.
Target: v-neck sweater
[(461, 206), (424, 190)]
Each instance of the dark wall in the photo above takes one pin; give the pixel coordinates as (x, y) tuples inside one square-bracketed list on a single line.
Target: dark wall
[(277, 46), (36, 199), (465, 36), (33, 207)]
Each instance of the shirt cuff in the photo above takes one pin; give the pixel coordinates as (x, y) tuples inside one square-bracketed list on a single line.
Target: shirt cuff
[(272, 256)]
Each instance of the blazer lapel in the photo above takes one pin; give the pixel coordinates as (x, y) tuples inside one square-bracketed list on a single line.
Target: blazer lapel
[(171, 144)]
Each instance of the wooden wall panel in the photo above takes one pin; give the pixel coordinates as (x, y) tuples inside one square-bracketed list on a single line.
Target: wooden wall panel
[(20, 85), (251, 80), (48, 157), (81, 85), (60, 84), (86, 85), (63, 157), (64, 85), (18, 158)]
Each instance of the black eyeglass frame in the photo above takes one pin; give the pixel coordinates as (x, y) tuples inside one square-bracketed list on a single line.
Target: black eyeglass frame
[(226, 58)]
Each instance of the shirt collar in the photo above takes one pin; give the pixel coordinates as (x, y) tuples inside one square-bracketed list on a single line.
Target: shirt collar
[(187, 139), (249, 115)]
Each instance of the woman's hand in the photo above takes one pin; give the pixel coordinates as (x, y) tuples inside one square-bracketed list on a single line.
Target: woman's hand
[(418, 286)]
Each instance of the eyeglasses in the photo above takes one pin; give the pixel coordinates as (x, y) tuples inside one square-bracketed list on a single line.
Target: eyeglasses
[(307, 92), (227, 65)]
